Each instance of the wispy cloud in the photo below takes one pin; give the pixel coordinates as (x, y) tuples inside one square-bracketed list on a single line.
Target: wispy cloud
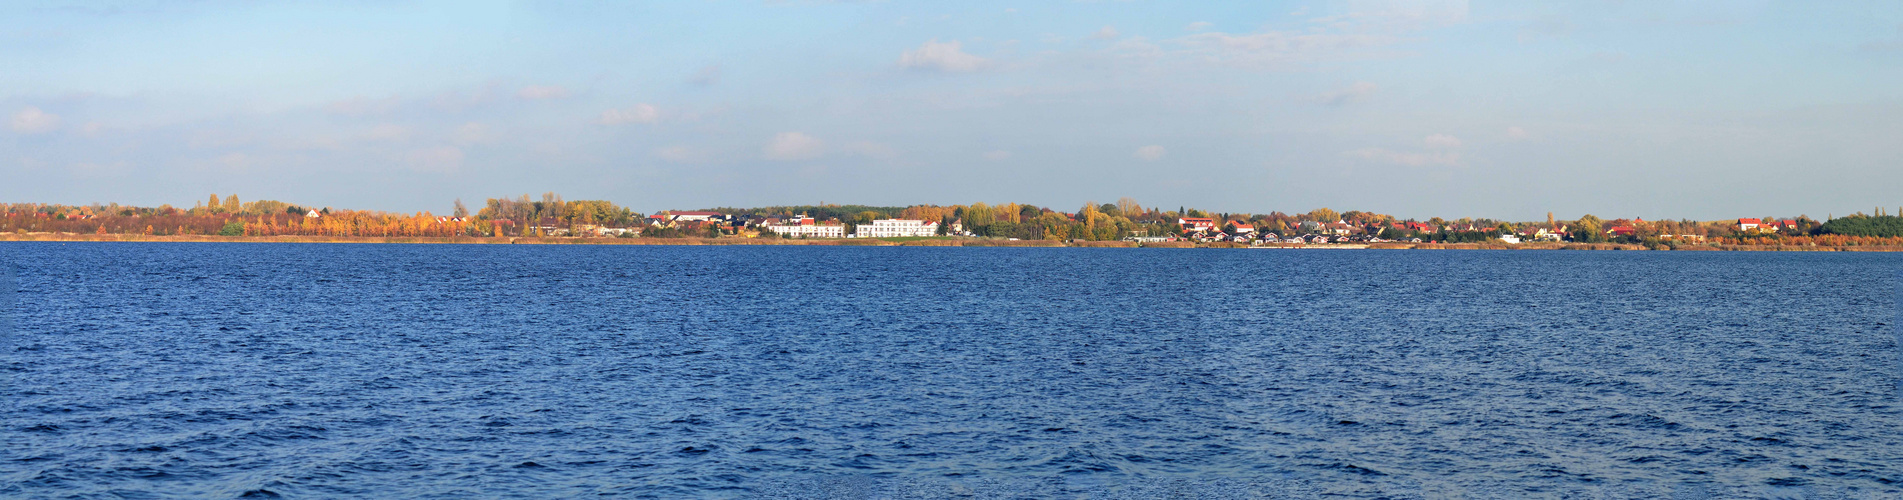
[(787, 146), (1353, 93), (1107, 33), (639, 113), (30, 120), (942, 56), (1440, 150), (1150, 153)]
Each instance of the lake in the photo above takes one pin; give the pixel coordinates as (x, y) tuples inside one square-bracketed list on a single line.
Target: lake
[(338, 370)]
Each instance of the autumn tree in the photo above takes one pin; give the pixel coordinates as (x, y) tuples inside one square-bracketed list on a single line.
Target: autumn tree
[(1128, 206)]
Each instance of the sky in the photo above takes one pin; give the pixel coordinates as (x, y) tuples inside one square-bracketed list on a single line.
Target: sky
[(1509, 110)]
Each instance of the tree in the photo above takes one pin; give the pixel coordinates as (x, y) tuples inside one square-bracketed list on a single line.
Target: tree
[(213, 204), (232, 205), (461, 211), (1128, 206), (1323, 215)]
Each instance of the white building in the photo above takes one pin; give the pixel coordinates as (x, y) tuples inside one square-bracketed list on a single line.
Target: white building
[(805, 227), (896, 228)]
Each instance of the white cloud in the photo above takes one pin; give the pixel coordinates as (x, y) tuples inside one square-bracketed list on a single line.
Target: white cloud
[(999, 155), (793, 146), (539, 92), (871, 149), (1354, 93), (947, 56), (1107, 33), (640, 113), (32, 121), (680, 154), (444, 159), (91, 128), (1442, 141), (1518, 134), (1200, 26), (1150, 153)]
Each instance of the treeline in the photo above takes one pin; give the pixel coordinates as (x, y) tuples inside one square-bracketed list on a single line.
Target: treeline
[(551, 214), (551, 207), (1865, 225)]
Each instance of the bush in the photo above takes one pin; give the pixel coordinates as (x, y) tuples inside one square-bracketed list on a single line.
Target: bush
[(232, 229)]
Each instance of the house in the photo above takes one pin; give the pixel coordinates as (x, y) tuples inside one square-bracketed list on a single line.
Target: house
[(313, 214), (617, 231), (1197, 223), (695, 216), (806, 227), (549, 226), (1510, 239), (896, 228), (1749, 224), (1244, 228), (1621, 230)]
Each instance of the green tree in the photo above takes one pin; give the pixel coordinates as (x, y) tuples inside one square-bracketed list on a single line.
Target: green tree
[(233, 228)]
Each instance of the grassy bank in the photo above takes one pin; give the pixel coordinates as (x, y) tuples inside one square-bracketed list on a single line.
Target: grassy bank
[(932, 242)]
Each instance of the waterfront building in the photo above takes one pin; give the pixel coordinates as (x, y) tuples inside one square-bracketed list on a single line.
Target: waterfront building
[(896, 228)]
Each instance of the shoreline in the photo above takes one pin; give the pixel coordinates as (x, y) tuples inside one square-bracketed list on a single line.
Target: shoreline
[(949, 242)]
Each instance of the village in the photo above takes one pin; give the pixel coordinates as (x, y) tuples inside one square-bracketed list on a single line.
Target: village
[(1125, 221), (1186, 229)]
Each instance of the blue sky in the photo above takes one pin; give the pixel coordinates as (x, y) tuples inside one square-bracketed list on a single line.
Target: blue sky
[(1434, 108)]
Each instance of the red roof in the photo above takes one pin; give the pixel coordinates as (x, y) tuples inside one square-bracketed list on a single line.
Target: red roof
[(1750, 221)]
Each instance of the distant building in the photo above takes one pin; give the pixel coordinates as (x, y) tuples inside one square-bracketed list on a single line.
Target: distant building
[(1197, 223), (806, 227), (1749, 224), (313, 214), (896, 228), (695, 216)]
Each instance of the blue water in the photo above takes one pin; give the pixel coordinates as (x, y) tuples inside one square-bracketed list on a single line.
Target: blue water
[(324, 370)]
